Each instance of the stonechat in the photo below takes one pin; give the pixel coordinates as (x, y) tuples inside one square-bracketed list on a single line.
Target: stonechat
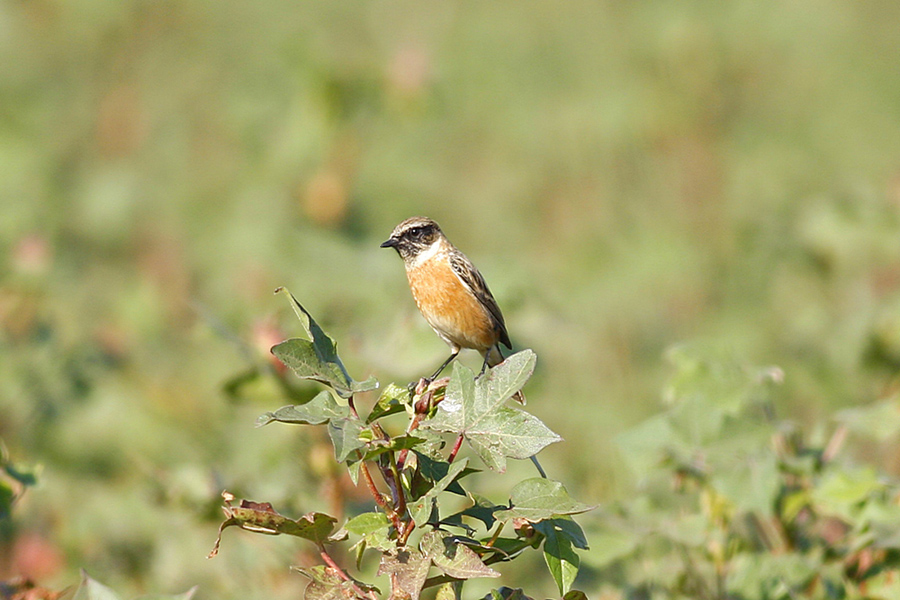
[(450, 292)]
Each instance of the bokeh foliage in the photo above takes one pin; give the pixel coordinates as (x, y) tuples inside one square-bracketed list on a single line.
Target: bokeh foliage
[(627, 175)]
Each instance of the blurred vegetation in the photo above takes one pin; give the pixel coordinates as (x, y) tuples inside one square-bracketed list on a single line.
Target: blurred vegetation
[(627, 175)]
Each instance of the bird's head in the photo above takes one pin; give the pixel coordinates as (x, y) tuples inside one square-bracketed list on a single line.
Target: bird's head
[(414, 236)]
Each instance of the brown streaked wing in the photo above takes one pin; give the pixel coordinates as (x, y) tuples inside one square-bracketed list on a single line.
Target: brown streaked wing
[(473, 280)]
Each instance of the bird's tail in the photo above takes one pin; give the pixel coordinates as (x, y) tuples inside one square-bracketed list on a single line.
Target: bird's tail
[(493, 358)]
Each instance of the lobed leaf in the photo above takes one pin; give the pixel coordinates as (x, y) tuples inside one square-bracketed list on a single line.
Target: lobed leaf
[(477, 410), (345, 435), (401, 442), (482, 510), (408, 570), (561, 559), (373, 527), (420, 510), (317, 358), (326, 584), (261, 517), (390, 402), (452, 557), (302, 358), (537, 499), (434, 470), (320, 409)]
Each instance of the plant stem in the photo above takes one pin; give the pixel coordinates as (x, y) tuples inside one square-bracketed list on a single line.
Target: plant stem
[(456, 447), (343, 575), (413, 425), (352, 406), (379, 499), (496, 535), (392, 483), (401, 496), (410, 525)]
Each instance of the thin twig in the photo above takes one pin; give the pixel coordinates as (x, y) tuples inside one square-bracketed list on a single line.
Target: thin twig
[(343, 575)]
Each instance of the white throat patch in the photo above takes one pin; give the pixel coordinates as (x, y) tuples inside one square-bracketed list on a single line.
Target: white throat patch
[(427, 254)]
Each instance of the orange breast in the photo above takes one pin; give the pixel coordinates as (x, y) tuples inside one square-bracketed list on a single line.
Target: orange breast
[(449, 307)]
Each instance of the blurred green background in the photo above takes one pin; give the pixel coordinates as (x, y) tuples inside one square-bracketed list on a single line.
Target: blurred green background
[(626, 175)]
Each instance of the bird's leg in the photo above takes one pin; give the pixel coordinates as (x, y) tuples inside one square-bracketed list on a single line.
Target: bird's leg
[(487, 358), (484, 365), (443, 366), (426, 381)]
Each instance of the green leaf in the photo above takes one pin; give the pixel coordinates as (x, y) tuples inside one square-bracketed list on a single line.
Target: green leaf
[(754, 575), (510, 376), (409, 568), (421, 509), (303, 359), (363, 386), (326, 584), (435, 470), (561, 559), (477, 410), (566, 526), (401, 442), (575, 595), (449, 591), (320, 409), (90, 589), (367, 523), (743, 467), (344, 435), (452, 557), (482, 510), (879, 421), (317, 359), (260, 517), (842, 492), (537, 499), (390, 402), (373, 527)]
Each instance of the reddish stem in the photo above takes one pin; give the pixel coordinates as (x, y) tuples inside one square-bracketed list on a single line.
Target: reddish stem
[(405, 535), (401, 458), (456, 448), (343, 575), (379, 499)]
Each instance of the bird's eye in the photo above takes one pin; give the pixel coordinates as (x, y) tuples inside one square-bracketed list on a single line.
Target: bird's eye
[(416, 232)]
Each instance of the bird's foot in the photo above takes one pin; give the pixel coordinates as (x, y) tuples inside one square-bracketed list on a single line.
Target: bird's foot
[(416, 388)]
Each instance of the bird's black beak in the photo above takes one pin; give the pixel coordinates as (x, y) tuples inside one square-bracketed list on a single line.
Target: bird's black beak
[(391, 243)]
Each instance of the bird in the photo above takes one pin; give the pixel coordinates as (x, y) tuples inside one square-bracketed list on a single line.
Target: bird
[(451, 293)]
